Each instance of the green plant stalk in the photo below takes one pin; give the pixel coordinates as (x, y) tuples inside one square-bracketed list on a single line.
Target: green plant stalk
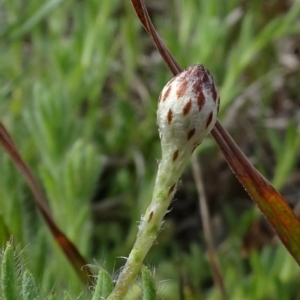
[(164, 189)]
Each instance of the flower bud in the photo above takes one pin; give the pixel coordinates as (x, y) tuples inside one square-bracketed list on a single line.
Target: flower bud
[(187, 111)]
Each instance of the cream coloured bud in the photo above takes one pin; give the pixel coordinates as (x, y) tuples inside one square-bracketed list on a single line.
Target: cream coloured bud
[(187, 111)]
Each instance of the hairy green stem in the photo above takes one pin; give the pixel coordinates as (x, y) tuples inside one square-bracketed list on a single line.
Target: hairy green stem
[(165, 185)]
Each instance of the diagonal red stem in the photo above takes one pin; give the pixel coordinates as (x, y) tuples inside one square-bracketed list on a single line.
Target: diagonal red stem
[(142, 13), (71, 252), (274, 207)]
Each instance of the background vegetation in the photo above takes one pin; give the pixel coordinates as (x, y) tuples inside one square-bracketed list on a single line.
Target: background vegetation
[(79, 83)]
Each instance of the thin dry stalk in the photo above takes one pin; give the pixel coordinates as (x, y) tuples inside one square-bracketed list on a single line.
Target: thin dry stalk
[(208, 235)]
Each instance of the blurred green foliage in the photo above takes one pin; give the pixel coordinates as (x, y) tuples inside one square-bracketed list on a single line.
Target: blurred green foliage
[(79, 82)]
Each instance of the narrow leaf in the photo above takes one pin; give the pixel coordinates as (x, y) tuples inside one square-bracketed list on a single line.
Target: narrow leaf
[(104, 286), (274, 207), (24, 25), (71, 252), (29, 288), (9, 282), (148, 285)]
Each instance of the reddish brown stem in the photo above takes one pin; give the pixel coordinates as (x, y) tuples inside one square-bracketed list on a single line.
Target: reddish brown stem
[(71, 252), (142, 13), (274, 207)]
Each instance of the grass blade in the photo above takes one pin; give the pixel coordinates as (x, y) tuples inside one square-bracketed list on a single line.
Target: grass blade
[(22, 27)]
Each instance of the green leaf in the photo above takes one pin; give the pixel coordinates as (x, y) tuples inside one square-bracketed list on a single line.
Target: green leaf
[(148, 285), (286, 154), (9, 282), (17, 30), (104, 286), (67, 296), (70, 250), (29, 288)]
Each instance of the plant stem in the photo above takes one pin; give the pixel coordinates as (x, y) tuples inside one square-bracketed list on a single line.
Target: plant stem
[(206, 222), (165, 186)]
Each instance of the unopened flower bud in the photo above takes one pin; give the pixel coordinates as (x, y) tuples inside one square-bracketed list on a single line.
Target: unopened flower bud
[(187, 111)]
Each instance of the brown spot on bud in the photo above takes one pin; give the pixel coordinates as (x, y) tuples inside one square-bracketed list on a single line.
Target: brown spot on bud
[(196, 87), (171, 189), (200, 100), (187, 107), (150, 217), (214, 92), (191, 133), (198, 70), (175, 155), (205, 78), (209, 119), (166, 94), (182, 88), (170, 116)]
